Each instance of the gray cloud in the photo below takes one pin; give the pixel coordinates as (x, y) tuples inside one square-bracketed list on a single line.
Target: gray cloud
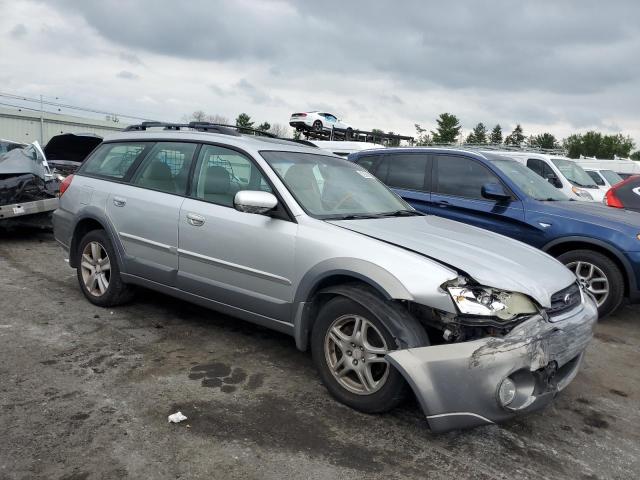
[(498, 61), (18, 31), (127, 75), (131, 58)]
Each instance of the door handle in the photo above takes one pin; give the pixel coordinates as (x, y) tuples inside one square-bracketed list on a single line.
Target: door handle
[(443, 203), (119, 201), (195, 220)]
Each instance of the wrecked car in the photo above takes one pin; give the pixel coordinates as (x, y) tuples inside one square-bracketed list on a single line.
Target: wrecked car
[(480, 327), (28, 188), (66, 152)]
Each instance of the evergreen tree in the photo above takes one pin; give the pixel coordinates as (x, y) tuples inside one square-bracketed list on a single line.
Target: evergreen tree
[(496, 135), (448, 129), (516, 137), (478, 134), (244, 120), (265, 127)]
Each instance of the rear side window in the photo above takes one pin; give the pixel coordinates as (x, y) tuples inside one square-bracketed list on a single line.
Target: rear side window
[(368, 162), (166, 168), (113, 160), (406, 171), (461, 177)]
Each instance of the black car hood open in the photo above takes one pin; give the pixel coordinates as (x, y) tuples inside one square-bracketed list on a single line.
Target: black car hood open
[(71, 146)]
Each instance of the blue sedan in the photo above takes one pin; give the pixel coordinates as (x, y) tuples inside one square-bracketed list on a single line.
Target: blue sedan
[(600, 245)]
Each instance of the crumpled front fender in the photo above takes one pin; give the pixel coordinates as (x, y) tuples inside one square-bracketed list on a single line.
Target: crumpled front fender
[(457, 384)]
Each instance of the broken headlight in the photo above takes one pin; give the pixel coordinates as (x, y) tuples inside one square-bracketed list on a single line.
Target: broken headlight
[(490, 302)]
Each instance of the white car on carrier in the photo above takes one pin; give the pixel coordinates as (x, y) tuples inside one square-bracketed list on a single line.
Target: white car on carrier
[(319, 122)]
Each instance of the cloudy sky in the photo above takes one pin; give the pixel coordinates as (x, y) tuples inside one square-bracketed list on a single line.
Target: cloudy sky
[(549, 65)]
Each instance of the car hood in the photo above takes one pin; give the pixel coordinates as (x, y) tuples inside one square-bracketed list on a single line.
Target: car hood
[(490, 259), (70, 146), (594, 213)]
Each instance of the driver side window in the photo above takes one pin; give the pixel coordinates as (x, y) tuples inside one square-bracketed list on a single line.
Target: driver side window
[(222, 172)]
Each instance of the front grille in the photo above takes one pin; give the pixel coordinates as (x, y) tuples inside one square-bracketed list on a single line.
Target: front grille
[(565, 300)]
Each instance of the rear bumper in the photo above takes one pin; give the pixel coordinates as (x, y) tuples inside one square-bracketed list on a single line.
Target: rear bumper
[(28, 208), (457, 384), (299, 124), (63, 224)]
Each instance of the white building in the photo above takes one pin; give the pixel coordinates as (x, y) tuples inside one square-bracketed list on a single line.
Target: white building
[(24, 125)]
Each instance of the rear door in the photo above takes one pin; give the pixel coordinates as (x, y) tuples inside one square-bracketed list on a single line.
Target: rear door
[(457, 194), (145, 210), (408, 174)]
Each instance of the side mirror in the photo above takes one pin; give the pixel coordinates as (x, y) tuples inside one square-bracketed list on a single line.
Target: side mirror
[(254, 201), (495, 191)]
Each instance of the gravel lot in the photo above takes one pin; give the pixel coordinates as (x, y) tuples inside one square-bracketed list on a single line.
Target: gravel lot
[(85, 393)]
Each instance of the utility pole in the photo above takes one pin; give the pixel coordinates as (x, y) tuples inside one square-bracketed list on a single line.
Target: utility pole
[(41, 121)]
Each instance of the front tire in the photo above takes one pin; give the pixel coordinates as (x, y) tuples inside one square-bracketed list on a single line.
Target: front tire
[(349, 342), (600, 275), (98, 271)]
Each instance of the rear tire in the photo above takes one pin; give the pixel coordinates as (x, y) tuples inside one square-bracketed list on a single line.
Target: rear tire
[(591, 267), (317, 126), (389, 327), (98, 271)]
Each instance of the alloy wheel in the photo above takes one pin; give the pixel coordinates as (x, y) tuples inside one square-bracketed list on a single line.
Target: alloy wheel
[(354, 351), (96, 269), (592, 278)]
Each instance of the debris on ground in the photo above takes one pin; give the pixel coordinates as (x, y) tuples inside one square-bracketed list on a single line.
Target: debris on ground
[(176, 417)]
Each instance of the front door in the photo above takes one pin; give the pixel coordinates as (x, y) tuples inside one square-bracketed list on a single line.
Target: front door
[(457, 194), (238, 259)]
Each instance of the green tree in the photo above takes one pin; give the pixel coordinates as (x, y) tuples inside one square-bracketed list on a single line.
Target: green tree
[(516, 137), (478, 134), (422, 136), (596, 144), (377, 134), (635, 155), (393, 142), (448, 129), (265, 126), (544, 140), (244, 120), (496, 135)]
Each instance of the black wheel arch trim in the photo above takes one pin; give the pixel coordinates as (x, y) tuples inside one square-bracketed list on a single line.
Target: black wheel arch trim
[(94, 214), (628, 273)]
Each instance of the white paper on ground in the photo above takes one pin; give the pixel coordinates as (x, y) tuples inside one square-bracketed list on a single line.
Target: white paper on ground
[(176, 417)]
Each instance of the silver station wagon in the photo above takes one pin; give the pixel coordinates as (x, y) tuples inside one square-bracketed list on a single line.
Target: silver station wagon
[(480, 327)]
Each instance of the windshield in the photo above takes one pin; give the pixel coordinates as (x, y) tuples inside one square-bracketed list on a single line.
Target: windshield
[(574, 173), (611, 176), (328, 187), (529, 182)]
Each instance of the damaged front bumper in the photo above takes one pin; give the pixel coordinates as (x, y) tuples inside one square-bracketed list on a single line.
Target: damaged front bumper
[(458, 385)]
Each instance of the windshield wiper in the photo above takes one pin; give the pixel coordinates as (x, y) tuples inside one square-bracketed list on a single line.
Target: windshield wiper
[(401, 213), (352, 216)]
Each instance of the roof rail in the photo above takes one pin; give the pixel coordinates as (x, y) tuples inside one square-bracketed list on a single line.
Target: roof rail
[(234, 130)]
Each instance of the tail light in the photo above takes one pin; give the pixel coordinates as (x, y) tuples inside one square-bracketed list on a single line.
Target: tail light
[(612, 200), (65, 184)]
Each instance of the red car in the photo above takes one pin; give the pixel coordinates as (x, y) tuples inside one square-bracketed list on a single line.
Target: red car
[(625, 194)]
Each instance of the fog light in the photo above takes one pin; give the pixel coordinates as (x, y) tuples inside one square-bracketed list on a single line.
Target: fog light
[(506, 392)]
